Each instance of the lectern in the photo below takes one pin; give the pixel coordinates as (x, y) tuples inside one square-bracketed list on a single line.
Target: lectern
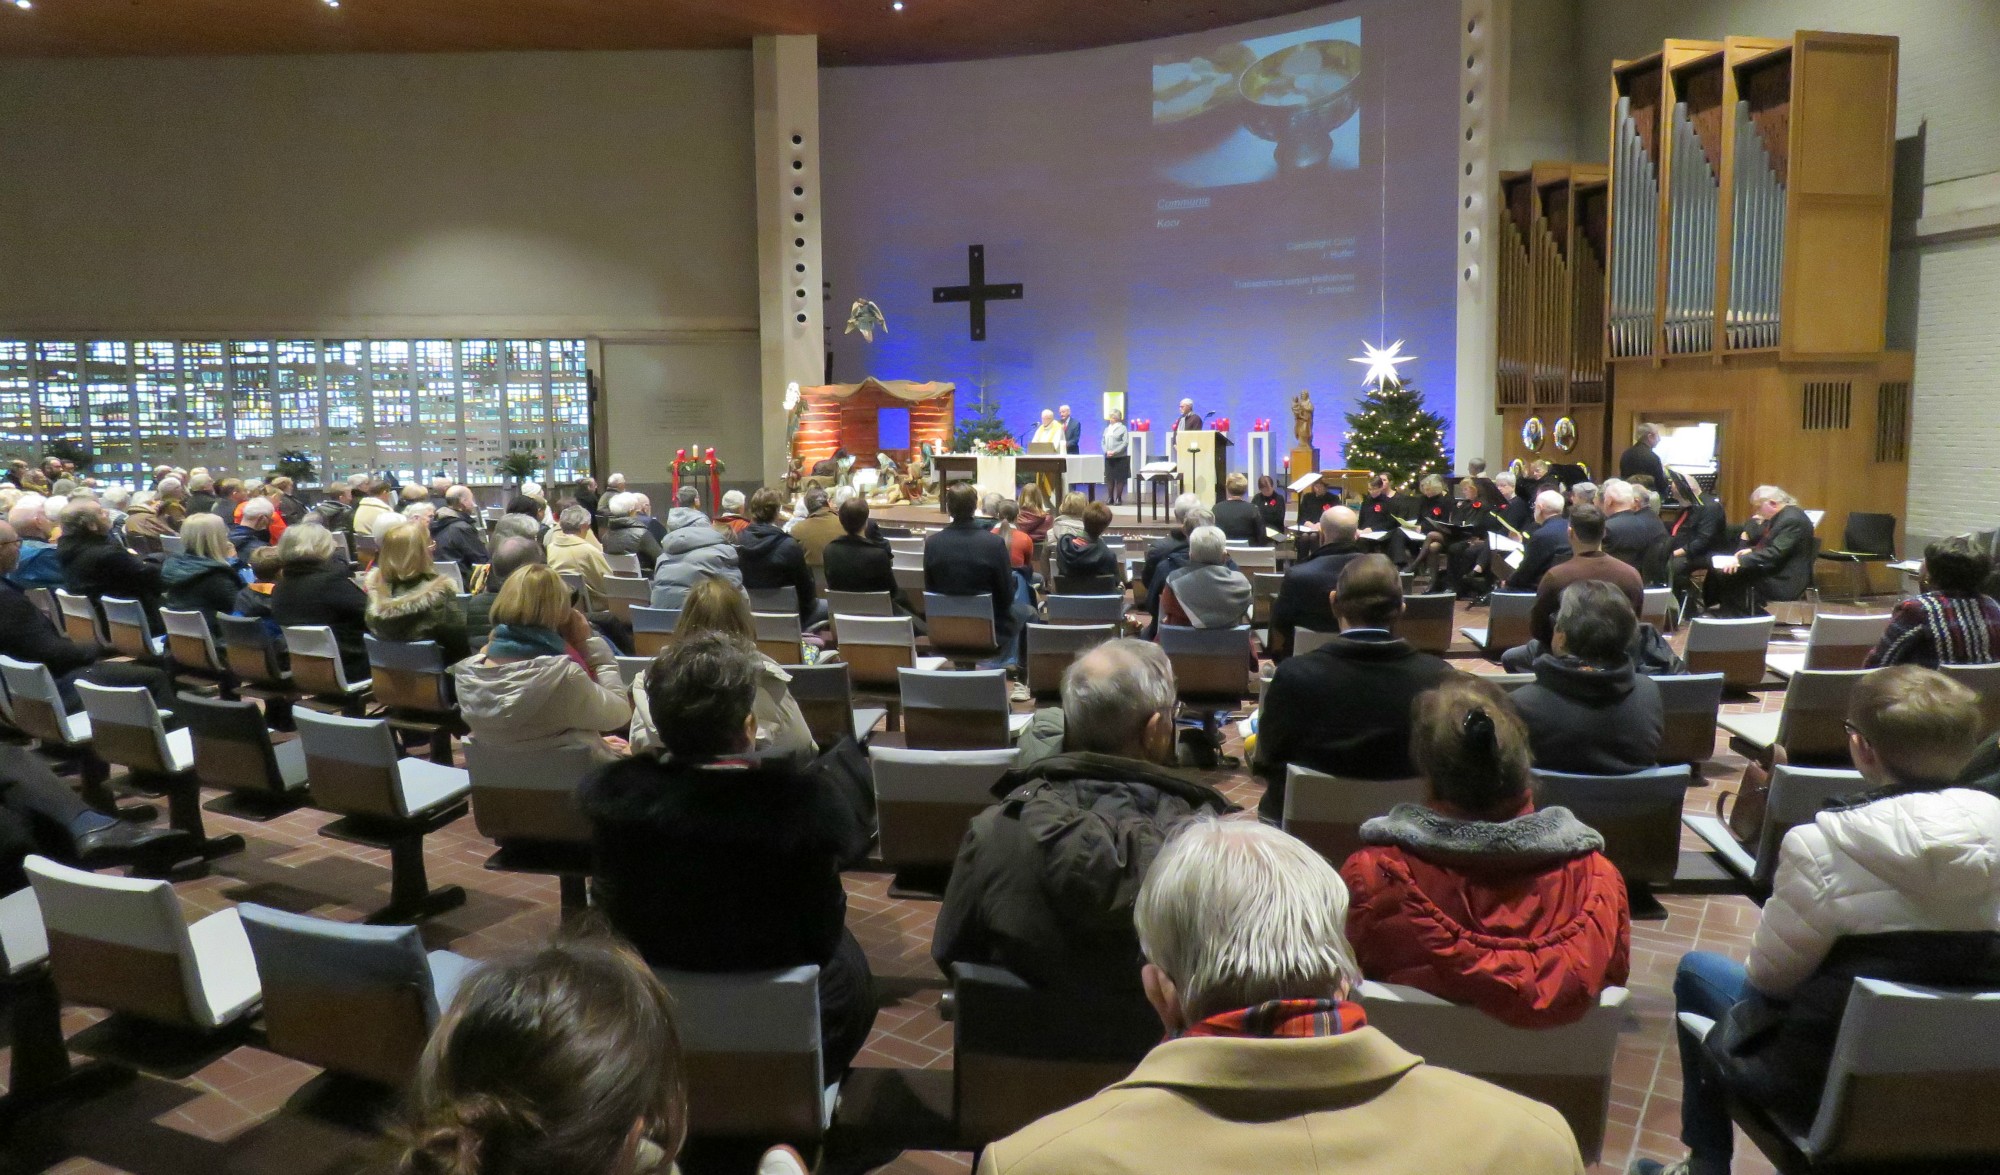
[(1202, 457)]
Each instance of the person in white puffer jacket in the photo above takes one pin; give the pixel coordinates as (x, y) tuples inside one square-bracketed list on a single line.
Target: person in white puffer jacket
[(1912, 855), (544, 678)]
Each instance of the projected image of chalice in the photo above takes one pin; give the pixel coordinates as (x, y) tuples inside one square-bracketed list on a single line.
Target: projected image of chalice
[(1298, 96)]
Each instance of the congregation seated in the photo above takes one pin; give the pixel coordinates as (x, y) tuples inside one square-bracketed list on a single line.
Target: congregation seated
[(1474, 895), (713, 606), (694, 551), (1547, 545), (95, 565), (1952, 623), (1206, 591), (1895, 883), (1590, 711), (1044, 881), (818, 526), (1587, 561), (1776, 561), (856, 562), (38, 564), (1240, 520), (626, 531), (713, 857), (1268, 1064), (26, 634), (561, 1058), (409, 601), (770, 558), (454, 529), (572, 547), (203, 577), (314, 590), (1633, 534), (544, 677), (1344, 708), (731, 520), (966, 559), (1083, 553), (1305, 594)]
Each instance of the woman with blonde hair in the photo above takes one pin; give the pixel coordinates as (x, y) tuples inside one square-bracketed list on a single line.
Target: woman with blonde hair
[(409, 601), (202, 578), (1069, 517), (1034, 512), (545, 678), (714, 605)]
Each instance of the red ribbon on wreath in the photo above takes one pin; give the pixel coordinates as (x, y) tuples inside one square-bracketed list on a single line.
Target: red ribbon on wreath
[(680, 455), (714, 482)]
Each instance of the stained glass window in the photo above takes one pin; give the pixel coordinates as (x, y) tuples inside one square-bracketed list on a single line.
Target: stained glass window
[(413, 407)]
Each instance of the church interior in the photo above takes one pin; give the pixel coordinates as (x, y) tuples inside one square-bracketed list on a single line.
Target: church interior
[(488, 482)]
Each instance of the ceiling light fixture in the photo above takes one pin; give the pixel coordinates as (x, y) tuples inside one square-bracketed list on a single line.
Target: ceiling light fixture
[(24, 3), (897, 6)]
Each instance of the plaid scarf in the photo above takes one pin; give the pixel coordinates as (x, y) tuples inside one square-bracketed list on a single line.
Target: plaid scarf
[(1284, 1018)]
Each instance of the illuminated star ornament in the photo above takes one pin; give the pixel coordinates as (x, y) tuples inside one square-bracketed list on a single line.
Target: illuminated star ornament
[(1382, 363)]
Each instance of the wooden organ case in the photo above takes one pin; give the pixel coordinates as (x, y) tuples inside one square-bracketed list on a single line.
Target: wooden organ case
[(1551, 330)]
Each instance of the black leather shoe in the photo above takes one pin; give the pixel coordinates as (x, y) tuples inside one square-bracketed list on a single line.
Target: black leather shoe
[(123, 844)]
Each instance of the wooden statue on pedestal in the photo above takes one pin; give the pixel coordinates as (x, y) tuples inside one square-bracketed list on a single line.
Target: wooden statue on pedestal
[(1304, 456)]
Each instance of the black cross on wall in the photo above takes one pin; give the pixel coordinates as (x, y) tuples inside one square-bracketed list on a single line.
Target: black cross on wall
[(976, 292)]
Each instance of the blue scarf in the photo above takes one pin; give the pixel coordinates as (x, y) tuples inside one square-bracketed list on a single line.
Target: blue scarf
[(521, 641)]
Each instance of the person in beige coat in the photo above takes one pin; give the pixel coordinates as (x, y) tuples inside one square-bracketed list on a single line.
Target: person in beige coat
[(544, 678), (1268, 1067), (715, 605), (573, 548)]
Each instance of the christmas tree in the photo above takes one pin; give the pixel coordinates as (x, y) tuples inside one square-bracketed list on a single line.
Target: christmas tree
[(985, 427), (1393, 434)]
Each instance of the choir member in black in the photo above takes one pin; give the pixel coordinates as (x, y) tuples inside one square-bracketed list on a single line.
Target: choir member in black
[(1270, 503), (1698, 534), (1316, 499), (1236, 517), (1434, 513), (1516, 508), (1378, 513), (1466, 548)]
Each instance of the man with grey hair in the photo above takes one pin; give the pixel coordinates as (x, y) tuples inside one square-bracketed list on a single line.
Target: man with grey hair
[(1641, 459), (1633, 534), (819, 525), (254, 530), (1305, 594), (38, 565), (1207, 591), (96, 565), (1173, 544), (573, 548), (1583, 493), (455, 530), (510, 554), (615, 484), (1548, 543), (1269, 1065), (1044, 881), (1072, 430), (732, 520), (686, 510), (625, 532), (1776, 562)]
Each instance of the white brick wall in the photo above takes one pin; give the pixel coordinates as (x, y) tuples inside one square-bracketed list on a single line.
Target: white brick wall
[(1955, 441)]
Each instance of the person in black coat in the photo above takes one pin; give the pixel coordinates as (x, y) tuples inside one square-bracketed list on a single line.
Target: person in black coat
[(203, 577), (1305, 594), (1270, 503), (26, 634), (714, 858), (856, 562), (966, 559), (1641, 459), (1697, 534), (1777, 563), (1548, 543), (1344, 708), (1238, 520), (315, 590), (1087, 555), (1516, 509), (1378, 511), (1045, 880), (770, 558), (1589, 711), (95, 565), (1633, 534), (454, 534)]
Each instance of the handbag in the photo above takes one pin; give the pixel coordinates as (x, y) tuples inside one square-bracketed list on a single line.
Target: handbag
[(1743, 812)]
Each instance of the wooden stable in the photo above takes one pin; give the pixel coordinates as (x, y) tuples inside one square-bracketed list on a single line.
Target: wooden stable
[(1551, 299), (844, 416), (1785, 153)]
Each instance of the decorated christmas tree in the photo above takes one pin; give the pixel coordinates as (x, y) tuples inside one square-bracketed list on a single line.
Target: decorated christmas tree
[(984, 428), (1393, 433)]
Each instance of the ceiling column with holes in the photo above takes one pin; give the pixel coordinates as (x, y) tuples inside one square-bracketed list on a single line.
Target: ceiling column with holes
[(786, 82)]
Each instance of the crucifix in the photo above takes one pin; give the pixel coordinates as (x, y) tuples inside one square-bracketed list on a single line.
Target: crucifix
[(976, 292)]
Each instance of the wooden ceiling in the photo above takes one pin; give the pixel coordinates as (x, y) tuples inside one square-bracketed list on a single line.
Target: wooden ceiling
[(852, 32)]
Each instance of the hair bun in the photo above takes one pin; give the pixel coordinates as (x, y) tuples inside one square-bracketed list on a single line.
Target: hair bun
[(1481, 739), (458, 1143)]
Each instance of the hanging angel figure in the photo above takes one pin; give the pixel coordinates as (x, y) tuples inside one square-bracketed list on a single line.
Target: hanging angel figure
[(866, 317)]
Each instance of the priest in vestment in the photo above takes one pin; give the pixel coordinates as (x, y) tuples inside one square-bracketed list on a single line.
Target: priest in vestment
[(1050, 432)]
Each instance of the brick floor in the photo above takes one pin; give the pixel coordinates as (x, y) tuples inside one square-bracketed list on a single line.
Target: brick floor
[(231, 1114)]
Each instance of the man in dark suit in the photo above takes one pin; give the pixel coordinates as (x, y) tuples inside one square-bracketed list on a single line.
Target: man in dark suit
[(1640, 458), (1377, 511), (1304, 596), (1239, 520), (1633, 533), (1697, 533), (1189, 418), (1777, 564), (966, 559), (1072, 430), (1516, 508), (1344, 708), (1547, 546)]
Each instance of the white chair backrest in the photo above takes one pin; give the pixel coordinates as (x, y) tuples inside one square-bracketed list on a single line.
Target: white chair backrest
[(860, 603), (1710, 635), (622, 563), (937, 605), (24, 937), (119, 610), (1315, 795), (1689, 693), (1892, 1033), (31, 680), (757, 1029), (128, 706), (351, 764), (1832, 628), (1067, 639), (171, 544), (629, 668), (1461, 1037), (1108, 609), (776, 626), (450, 569), (956, 777), (192, 625), (1508, 606), (772, 599), (317, 640), (528, 792), (945, 689), (1305, 640), (1206, 642), (1654, 605), (655, 619), (875, 630), (130, 915), (627, 587)]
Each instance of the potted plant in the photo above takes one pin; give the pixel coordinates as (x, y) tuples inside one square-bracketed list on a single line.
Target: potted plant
[(296, 464), (520, 465)]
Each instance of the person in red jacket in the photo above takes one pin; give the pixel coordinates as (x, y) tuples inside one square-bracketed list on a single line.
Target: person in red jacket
[(1475, 896)]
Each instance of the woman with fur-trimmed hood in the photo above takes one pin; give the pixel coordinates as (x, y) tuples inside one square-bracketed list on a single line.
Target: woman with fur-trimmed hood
[(409, 601), (1475, 896)]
